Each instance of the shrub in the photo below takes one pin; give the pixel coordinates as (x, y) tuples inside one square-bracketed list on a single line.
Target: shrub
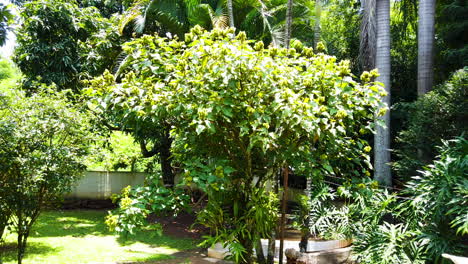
[(238, 112), (431, 221), (136, 204), (6, 69), (43, 140), (439, 115), (439, 206)]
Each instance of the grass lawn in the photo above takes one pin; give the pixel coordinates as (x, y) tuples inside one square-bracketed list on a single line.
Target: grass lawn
[(60, 237)]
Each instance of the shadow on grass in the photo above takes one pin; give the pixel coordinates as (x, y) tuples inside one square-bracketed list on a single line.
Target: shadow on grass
[(70, 223), (8, 250), (80, 223), (155, 258), (151, 238)]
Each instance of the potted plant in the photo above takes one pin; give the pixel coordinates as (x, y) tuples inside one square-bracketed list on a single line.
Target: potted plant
[(323, 221)]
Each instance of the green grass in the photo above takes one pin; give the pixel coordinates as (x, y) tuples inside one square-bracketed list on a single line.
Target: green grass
[(82, 237)]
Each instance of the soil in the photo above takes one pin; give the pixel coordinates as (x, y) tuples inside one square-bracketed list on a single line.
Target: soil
[(181, 226), (94, 204), (197, 256)]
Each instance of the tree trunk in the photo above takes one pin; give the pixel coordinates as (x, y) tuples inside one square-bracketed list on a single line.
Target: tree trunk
[(271, 248), (166, 159), (287, 31), (283, 212), (426, 25), (318, 14), (272, 239), (230, 13), (259, 252), (382, 171), (305, 235)]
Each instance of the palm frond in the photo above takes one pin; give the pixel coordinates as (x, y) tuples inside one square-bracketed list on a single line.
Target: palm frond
[(120, 64), (166, 15), (199, 14), (276, 33), (220, 18), (139, 24), (132, 14)]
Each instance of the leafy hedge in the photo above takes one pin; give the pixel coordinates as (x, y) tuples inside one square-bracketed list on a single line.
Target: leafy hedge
[(439, 115)]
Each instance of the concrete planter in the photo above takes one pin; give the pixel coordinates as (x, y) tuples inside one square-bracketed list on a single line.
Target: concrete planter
[(218, 251), (317, 249), (330, 256), (320, 245)]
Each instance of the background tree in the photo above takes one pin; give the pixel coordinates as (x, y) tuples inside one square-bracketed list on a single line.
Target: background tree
[(49, 43), (7, 69), (451, 51), (340, 24), (43, 142)]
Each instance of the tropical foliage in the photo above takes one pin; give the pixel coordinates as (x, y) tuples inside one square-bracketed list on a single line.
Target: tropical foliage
[(226, 95), (438, 210)]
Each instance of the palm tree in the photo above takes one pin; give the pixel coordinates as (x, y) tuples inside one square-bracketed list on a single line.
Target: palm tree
[(382, 171), (254, 17), (425, 45), (375, 52), (160, 16), (287, 32), (230, 13)]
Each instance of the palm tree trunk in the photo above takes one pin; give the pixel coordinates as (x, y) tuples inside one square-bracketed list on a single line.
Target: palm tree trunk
[(382, 171), (230, 13), (367, 45), (425, 45), (318, 13), (287, 32)]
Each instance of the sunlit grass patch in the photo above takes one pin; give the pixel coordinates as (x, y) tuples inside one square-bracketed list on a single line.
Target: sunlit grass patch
[(82, 237)]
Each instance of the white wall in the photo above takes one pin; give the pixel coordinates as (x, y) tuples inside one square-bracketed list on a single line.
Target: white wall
[(101, 184)]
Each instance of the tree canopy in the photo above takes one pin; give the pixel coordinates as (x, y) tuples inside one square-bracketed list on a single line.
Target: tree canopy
[(43, 142), (239, 111)]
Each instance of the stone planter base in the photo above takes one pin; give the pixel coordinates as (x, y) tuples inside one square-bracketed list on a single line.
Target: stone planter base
[(314, 248), (320, 245), (330, 256)]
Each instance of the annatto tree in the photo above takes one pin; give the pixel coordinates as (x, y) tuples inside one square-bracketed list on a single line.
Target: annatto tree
[(43, 140), (239, 112)]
